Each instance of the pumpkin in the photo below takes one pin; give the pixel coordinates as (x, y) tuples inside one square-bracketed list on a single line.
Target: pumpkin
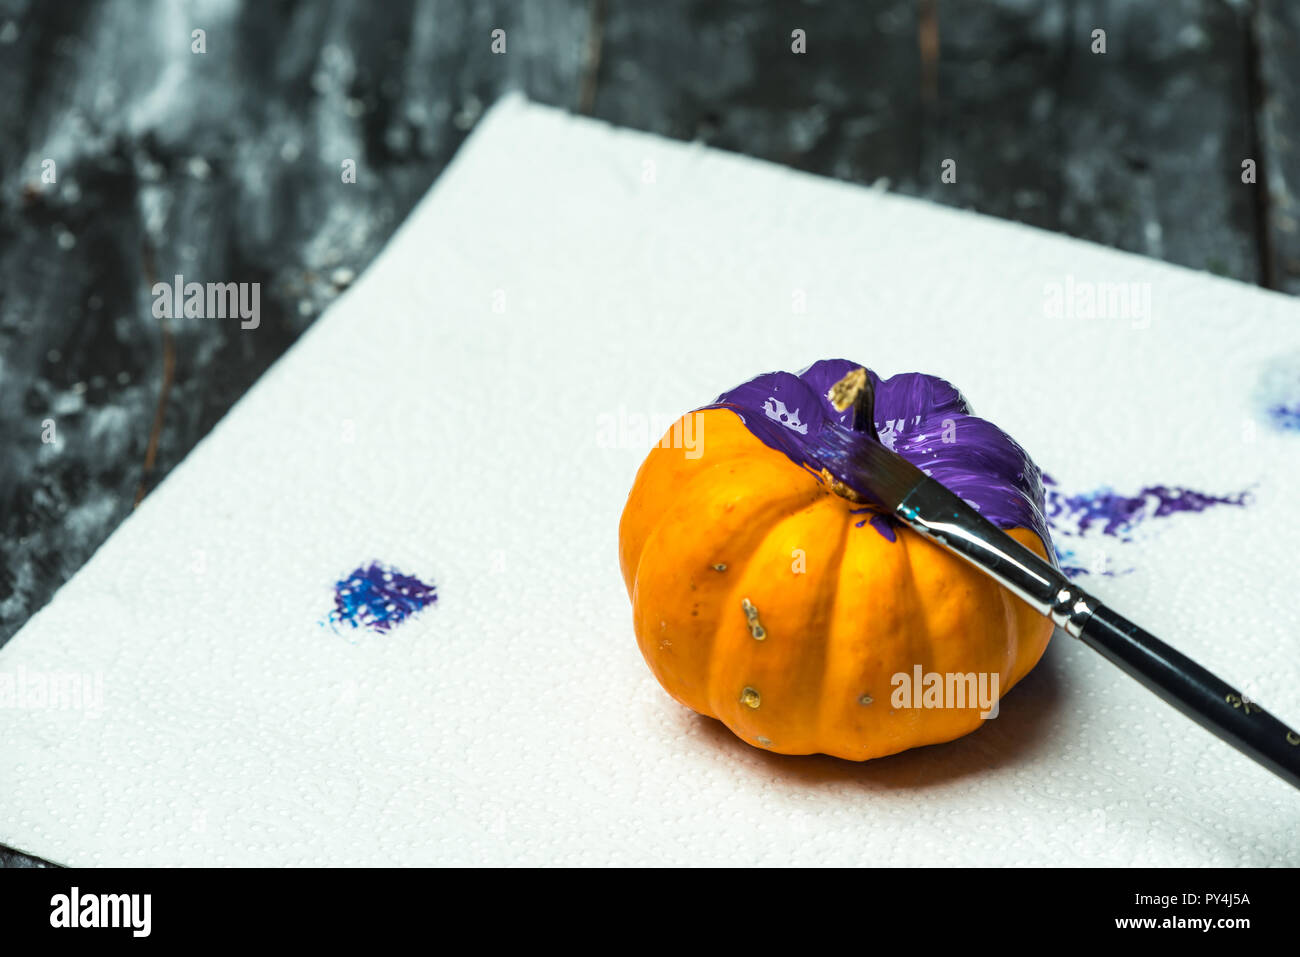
[(767, 596)]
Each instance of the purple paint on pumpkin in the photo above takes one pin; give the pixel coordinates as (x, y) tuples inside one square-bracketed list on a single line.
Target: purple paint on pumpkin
[(379, 598), (882, 523), (885, 525), (927, 421), (921, 417)]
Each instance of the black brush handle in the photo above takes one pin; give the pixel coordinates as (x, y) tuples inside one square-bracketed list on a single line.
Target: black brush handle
[(1209, 701)]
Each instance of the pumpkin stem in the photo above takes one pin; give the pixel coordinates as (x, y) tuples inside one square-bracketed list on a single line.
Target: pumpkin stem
[(857, 390)]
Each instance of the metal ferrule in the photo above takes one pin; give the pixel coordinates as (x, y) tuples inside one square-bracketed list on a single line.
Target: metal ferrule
[(937, 514)]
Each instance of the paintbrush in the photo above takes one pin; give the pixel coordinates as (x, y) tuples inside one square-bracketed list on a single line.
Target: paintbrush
[(881, 477)]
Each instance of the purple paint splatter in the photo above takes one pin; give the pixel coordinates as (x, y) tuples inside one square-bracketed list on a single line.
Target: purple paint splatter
[(379, 598), (1119, 516)]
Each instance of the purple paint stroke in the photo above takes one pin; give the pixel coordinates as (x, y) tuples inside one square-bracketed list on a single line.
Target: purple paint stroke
[(1119, 516), (379, 598), (923, 418)]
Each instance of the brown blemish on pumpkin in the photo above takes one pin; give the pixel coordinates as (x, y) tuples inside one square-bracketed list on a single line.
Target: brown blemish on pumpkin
[(839, 488), (756, 629), (765, 742), (865, 699), (750, 697), (720, 567)]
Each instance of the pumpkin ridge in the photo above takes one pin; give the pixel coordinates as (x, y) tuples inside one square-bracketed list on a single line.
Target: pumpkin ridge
[(680, 493), (738, 547), (742, 445), (847, 627), (1026, 621), (971, 629), (1009, 656), (736, 594), (831, 584), (921, 638), (738, 444)]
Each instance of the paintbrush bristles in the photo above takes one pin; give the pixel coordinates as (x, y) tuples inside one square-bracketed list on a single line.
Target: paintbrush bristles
[(864, 465)]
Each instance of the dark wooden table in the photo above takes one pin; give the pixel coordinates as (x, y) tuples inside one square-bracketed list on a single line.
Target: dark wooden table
[(223, 165)]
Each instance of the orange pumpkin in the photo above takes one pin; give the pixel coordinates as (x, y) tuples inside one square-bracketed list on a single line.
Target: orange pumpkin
[(765, 598)]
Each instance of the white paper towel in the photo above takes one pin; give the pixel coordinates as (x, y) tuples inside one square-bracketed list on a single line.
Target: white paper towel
[(451, 415)]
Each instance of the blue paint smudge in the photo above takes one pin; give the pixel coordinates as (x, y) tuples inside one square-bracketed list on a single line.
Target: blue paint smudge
[(379, 598), (1278, 393), (1063, 558), (1066, 558), (1285, 417)]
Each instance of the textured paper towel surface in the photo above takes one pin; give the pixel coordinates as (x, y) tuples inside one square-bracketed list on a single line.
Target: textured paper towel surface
[(445, 417)]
